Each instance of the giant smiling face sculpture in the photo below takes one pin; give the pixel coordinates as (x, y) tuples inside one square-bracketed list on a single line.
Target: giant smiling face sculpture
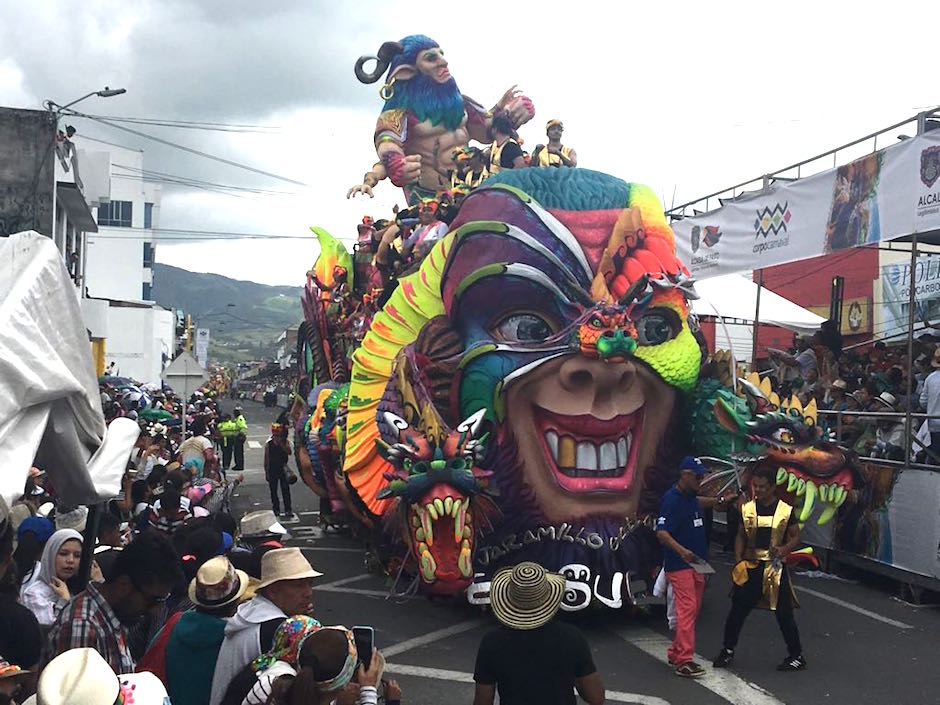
[(569, 321)]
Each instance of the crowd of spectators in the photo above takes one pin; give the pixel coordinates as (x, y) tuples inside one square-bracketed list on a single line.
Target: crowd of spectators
[(175, 598), (873, 379)]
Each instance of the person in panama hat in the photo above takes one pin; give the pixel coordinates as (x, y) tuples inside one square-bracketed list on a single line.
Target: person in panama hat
[(532, 657)]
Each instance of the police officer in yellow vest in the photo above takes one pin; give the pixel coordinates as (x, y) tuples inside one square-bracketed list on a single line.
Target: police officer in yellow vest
[(769, 532), (555, 153), (227, 430)]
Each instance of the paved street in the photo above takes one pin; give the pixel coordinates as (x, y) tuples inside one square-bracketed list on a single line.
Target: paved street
[(862, 645)]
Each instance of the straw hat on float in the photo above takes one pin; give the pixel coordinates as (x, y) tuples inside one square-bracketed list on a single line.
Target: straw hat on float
[(526, 596)]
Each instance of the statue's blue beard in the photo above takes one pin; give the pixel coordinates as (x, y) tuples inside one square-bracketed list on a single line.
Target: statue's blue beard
[(437, 103)]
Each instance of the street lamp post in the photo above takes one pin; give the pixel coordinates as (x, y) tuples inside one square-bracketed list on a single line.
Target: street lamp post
[(56, 110), (106, 92)]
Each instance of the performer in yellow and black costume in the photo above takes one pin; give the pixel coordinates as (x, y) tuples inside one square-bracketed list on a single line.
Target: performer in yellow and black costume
[(769, 532)]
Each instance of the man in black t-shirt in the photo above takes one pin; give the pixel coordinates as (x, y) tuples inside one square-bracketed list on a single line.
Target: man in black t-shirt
[(769, 532), (532, 658), (504, 152)]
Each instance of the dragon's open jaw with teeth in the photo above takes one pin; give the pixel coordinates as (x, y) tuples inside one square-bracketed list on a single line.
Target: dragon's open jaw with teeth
[(442, 522), (810, 472)]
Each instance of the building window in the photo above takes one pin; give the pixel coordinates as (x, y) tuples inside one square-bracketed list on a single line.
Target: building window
[(146, 296), (148, 255), (115, 214), (148, 215)]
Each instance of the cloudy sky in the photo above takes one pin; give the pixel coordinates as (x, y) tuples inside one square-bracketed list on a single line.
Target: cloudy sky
[(686, 97)]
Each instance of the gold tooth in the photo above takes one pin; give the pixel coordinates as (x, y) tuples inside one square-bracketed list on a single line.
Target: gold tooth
[(566, 452)]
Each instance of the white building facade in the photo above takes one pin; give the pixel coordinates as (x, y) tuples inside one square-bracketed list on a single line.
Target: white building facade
[(121, 254), (139, 336)]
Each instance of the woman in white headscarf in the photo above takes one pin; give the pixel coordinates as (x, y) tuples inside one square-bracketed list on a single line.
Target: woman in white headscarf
[(45, 591)]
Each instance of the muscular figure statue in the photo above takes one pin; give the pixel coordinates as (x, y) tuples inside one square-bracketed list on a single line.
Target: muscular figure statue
[(425, 118)]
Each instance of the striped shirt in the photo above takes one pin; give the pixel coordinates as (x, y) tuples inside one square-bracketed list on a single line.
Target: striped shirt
[(89, 622)]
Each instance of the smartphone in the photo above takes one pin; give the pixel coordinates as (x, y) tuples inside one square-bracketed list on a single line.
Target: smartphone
[(365, 641)]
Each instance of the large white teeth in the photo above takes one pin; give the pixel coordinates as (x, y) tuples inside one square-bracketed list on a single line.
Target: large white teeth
[(607, 455), (551, 438), (586, 456)]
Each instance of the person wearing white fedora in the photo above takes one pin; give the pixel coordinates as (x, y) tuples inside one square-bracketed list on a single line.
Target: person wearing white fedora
[(286, 588), (532, 658), (83, 677), (889, 431)]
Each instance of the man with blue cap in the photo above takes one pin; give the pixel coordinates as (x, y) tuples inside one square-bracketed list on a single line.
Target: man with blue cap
[(681, 531)]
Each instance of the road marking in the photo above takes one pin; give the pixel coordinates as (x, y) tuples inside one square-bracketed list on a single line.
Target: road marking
[(344, 581), (442, 674), (721, 682), (849, 606), (854, 608), (254, 445), (384, 594), (431, 637)]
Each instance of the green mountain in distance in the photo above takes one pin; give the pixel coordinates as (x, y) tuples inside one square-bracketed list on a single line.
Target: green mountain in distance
[(246, 331)]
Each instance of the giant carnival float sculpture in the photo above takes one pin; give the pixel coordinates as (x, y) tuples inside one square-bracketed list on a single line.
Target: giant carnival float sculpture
[(527, 390)]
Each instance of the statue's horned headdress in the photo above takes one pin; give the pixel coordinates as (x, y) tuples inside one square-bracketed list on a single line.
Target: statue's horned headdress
[(383, 60)]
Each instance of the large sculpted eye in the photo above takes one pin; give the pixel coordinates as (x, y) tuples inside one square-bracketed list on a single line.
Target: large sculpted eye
[(523, 328), (656, 327)]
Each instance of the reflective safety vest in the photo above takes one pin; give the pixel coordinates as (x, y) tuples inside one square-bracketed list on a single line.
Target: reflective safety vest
[(548, 159)]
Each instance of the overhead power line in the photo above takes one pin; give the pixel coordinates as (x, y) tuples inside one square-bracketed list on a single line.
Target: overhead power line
[(186, 235), (190, 150), (193, 124)]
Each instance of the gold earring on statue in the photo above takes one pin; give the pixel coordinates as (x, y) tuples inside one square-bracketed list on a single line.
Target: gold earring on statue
[(388, 90)]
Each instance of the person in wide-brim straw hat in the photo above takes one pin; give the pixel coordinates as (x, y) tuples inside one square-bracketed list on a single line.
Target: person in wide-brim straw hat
[(525, 600), (526, 596)]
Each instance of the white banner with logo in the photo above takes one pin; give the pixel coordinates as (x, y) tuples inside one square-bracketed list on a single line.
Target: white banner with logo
[(896, 292), (885, 195), (202, 345)]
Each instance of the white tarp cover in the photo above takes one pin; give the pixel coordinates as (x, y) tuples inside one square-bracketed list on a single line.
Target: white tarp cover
[(735, 296), (50, 407)]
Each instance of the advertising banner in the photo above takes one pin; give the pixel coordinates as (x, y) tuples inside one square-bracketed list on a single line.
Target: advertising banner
[(202, 345), (896, 292), (885, 195)]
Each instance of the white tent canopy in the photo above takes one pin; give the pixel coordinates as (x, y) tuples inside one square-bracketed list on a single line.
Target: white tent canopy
[(50, 407), (735, 296)]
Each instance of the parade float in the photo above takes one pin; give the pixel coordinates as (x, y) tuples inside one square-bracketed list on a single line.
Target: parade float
[(526, 388)]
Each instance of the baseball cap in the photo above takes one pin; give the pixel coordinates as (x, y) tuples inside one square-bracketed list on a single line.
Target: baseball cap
[(692, 464)]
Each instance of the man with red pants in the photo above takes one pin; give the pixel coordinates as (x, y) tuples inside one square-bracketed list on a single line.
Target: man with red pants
[(681, 531)]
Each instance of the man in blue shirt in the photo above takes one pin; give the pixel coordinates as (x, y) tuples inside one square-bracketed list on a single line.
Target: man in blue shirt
[(681, 531)]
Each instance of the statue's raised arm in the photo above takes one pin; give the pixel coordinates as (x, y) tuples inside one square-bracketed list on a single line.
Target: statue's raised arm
[(425, 117)]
